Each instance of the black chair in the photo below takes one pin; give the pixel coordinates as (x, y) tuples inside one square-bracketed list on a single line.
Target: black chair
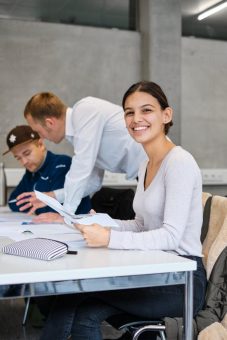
[(115, 202)]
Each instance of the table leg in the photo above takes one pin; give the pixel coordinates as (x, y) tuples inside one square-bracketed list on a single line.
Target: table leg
[(188, 311)]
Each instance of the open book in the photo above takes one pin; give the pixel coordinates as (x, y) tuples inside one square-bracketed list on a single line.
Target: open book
[(99, 218)]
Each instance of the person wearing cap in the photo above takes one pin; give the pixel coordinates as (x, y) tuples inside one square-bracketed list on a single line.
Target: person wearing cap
[(45, 171), (96, 129)]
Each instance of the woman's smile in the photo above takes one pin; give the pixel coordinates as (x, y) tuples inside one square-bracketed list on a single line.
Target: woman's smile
[(140, 128)]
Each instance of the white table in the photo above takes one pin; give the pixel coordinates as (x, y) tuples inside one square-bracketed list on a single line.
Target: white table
[(96, 270)]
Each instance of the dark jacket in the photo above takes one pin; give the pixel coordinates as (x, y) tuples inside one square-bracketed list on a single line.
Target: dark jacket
[(51, 176), (215, 306), (216, 297)]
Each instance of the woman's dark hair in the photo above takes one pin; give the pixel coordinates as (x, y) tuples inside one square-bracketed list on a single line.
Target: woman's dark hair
[(154, 90)]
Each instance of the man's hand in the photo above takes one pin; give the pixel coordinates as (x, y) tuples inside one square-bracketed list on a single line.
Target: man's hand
[(49, 217), (28, 200), (95, 235)]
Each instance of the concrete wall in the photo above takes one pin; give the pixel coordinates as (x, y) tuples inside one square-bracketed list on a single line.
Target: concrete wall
[(71, 61), (75, 61), (160, 28), (204, 101)]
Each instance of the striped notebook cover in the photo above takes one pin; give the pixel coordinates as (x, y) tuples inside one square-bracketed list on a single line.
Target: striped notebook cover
[(37, 248)]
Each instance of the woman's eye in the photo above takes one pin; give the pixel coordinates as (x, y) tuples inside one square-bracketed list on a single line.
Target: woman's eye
[(147, 110), (128, 113)]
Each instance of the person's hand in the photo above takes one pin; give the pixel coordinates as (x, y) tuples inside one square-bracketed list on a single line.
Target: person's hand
[(29, 201), (95, 235), (49, 217)]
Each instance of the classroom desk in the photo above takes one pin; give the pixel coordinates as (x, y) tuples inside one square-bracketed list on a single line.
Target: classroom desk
[(97, 270)]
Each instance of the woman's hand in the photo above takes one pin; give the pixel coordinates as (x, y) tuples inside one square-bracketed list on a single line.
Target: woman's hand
[(95, 235), (49, 217), (29, 201)]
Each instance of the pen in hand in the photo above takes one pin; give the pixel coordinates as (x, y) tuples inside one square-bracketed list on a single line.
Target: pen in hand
[(16, 200), (13, 201)]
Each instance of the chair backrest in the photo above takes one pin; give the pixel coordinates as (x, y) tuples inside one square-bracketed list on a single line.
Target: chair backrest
[(215, 238), (115, 202), (205, 196)]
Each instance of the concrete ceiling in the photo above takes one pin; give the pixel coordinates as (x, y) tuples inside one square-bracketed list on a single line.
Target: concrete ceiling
[(113, 13), (213, 27)]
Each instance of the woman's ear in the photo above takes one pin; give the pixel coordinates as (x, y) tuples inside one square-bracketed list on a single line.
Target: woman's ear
[(167, 115)]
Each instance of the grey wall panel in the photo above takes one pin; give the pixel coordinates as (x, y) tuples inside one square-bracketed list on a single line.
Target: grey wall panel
[(204, 101), (75, 61), (71, 61)]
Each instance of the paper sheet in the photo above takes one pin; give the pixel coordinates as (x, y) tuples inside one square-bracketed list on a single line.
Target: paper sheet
[(74, 241), (14, 217), (53, 203), (99, 218), (18, 231)]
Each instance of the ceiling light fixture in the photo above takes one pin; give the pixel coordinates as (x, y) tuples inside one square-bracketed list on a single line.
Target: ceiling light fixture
[(212, 10)]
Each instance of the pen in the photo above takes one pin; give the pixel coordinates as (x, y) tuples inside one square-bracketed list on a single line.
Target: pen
[(13, 201)]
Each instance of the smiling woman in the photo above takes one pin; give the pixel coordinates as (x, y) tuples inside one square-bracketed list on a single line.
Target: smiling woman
[(155, 98), (168, 217), (148, 118)]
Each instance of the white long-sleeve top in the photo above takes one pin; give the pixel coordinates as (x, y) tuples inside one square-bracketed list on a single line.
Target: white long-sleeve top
[(97, 131), (168, 212)]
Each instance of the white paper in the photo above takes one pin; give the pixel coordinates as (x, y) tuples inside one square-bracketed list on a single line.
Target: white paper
[(74, 245), (14, 217), (99, 218), (72, 240), (18, 231), (53, 203)]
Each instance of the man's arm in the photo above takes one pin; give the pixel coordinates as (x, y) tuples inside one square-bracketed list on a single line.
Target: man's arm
[(88, 126)]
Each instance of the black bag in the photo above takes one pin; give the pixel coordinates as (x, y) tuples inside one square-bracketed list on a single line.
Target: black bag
[(115, 202)]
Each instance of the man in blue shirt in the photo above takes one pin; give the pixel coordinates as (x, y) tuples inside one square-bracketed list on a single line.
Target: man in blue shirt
[(45, 171)]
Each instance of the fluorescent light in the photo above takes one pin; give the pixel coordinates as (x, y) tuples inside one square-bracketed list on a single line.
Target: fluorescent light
[(212, 10)]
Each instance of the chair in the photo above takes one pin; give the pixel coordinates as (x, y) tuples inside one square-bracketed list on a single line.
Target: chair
[(115, 202), (138, 327), (214, 216), (25, 316)]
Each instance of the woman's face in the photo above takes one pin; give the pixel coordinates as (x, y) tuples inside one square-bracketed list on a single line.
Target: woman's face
[(144, 117)]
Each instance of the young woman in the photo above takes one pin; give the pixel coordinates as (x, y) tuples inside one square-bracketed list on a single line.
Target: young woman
[(168, 207)]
